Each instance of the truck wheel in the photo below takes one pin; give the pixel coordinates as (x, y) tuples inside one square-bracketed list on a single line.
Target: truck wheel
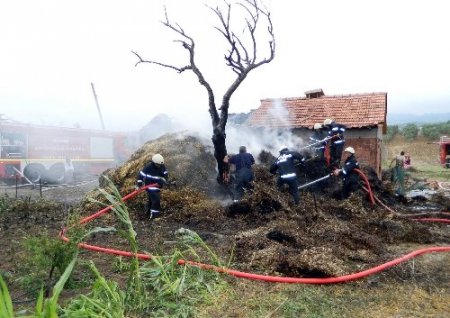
[(447, 164), (56, 173), (34, 172)]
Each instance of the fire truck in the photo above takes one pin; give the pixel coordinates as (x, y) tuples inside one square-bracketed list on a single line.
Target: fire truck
[(444, 151), (45, 153)]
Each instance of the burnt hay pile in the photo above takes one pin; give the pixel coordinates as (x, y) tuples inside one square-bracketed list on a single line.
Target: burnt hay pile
[(321, 237)]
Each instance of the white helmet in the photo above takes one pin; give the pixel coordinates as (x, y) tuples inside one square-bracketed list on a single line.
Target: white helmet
[(158, 159), (328, 121), (283, 148), (350, 149), (317, 125)]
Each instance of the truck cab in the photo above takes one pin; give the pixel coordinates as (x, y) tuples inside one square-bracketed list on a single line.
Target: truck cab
[(444, 151)]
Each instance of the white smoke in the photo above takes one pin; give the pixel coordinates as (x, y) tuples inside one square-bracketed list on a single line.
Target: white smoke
[(255, 139)]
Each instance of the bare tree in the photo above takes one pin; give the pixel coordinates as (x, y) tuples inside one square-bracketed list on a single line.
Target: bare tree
[(241, 57)]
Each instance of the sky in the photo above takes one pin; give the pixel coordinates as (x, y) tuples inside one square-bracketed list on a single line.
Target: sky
[(52, 50)]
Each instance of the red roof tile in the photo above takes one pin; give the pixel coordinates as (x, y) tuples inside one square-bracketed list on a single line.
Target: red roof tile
[(353, 111)]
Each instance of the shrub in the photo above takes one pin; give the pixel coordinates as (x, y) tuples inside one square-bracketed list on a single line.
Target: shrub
[(410, 131), (391, 132), (430, 132)]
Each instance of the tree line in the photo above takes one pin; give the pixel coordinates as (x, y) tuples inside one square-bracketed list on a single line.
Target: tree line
[(411, 130)]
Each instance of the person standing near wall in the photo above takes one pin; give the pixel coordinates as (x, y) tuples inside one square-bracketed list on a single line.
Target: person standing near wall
[(336, 142), (317, 139), (349, 176)]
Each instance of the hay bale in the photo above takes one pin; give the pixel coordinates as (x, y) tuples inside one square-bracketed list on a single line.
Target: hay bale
[(189, 162)]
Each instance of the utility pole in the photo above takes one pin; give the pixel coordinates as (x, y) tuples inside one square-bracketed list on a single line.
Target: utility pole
[(98, 107)]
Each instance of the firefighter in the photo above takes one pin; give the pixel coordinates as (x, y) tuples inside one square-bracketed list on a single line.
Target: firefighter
[(317, 138), (349, 175), (318, 164), (243, 162), (285, 165), (336, 142), (153, 173)]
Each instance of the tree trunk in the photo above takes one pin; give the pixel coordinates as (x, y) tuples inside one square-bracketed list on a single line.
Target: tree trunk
[(220, 151)]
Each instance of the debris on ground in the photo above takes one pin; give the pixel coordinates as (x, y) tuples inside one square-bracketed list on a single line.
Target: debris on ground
[(265, 232)]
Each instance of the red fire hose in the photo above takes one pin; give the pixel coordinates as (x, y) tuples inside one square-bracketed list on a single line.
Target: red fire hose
[(267, 278)]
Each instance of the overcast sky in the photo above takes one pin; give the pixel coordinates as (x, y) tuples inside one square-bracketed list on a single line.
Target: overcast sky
[(51, 51)]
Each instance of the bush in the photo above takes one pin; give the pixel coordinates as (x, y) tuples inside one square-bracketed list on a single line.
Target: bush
[(391, 132), (410, 131), (430, 132), (45, 260)]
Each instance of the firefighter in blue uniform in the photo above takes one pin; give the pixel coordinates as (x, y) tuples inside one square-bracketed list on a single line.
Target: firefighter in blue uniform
[(349, 176), (336, 142), (285, 166), (318, 167), (317, 138), (153, 173), (243, 162)]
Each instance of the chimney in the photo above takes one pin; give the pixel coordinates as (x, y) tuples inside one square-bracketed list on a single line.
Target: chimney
[(315, 93)]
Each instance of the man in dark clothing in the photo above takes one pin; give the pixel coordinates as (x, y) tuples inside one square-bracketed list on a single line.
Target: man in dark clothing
[(153, 173), (285, 166), (243, 162), (349, 175), (317, 166), (317, 139), (336, 142)]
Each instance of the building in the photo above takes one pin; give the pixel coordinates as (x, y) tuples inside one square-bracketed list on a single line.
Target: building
[(364, 116)]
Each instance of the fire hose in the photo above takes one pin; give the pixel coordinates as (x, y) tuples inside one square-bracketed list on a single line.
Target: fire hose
[(361, 174), (251, 276), (316, 143)]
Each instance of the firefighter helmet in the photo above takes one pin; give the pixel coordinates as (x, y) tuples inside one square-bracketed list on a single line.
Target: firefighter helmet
[(283, 148), (328, 121), (350, 149), (317, 125), (158, 159)]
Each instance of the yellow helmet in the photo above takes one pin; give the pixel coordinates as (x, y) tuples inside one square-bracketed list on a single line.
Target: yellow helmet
[(158, 159)]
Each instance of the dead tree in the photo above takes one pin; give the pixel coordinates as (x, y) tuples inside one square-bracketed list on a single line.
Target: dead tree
[(241, 58)]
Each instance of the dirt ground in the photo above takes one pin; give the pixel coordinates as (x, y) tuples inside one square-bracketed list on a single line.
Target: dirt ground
[(264, 233)]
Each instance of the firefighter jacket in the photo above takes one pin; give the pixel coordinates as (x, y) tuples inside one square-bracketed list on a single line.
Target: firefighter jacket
[(317, 139), (285, 164), (153, 173), (348, 172), (336, 134)]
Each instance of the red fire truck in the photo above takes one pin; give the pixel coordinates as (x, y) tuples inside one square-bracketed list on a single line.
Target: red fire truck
[(444, 151), (44, 153)]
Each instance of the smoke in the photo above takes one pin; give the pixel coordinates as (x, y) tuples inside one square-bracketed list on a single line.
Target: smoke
[(255, 139)]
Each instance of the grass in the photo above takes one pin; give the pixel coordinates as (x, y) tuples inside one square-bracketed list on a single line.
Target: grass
[(359, 299), (170, 290)]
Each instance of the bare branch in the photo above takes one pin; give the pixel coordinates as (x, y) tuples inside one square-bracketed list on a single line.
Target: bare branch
[(241, 57), (178, 69)]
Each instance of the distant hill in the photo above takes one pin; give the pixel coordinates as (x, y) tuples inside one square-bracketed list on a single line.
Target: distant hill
[(403, 118)]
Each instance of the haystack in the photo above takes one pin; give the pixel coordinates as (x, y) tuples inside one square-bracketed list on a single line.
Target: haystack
[(264, 231)]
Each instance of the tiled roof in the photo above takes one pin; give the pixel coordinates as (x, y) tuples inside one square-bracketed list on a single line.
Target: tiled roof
[(353, 111)]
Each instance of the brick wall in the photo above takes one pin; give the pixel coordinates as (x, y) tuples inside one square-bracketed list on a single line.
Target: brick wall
[(367, 143), (368, 151)]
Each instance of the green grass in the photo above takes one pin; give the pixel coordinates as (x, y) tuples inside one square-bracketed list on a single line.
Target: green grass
[(255, 299)]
